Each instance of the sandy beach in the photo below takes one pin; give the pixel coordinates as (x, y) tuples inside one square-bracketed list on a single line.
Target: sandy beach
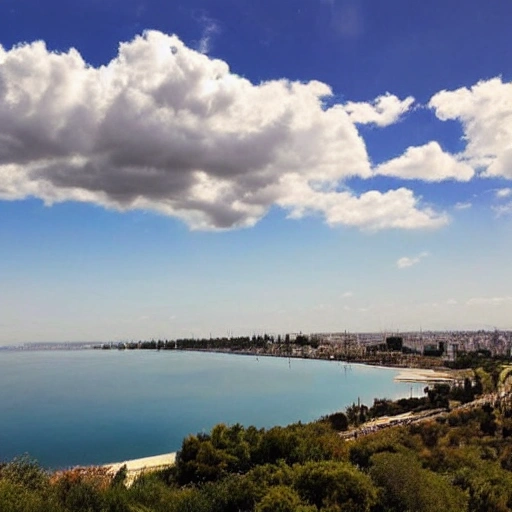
[(137, 466), (423, 375)]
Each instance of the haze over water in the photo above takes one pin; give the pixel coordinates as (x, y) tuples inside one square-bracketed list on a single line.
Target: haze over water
[(90, 407)]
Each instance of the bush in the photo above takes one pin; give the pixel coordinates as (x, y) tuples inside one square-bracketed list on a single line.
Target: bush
[(405, 485), (326, 484), (283, 499), (17, 498), (26, 472), (337, 420)]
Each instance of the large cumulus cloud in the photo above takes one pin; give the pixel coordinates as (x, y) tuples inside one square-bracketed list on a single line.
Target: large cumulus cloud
[(485, 112), (164, 127)]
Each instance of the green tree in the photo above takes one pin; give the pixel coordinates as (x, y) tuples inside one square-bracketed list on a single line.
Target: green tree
[(25, 472), (405, 485), (338, 421), (331, 484), (282, 499)]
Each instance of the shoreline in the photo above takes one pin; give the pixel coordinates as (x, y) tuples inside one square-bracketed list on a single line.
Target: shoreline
[(406, 373), (427, 376)]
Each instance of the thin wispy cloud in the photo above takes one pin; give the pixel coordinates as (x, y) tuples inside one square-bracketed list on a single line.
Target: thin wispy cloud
[(503, 209), (502, 193), (211, 28), (356, 310), (490, 301), (347, 19), (407, 261), (463, 206)]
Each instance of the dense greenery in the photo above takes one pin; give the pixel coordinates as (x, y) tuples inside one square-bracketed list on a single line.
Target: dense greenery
[(437, 396)]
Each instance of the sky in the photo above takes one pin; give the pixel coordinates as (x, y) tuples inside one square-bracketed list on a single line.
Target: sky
[(221, 167)]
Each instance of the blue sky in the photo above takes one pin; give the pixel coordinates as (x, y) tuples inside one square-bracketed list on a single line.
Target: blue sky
[(170, 169)]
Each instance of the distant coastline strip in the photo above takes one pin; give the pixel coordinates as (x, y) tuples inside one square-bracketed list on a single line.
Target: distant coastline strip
[(423, 375)]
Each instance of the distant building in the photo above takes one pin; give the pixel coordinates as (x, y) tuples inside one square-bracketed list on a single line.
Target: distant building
[(451, 352)]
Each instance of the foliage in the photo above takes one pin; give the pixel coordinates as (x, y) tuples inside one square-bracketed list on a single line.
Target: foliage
[(356, 414), (81, 489), (361, 451), (330, 484), (405, 485), (387, 407), (337, 420), (439, 395), (283, 499), (25, 472), (15, 497), (120, 477), (234, 449)]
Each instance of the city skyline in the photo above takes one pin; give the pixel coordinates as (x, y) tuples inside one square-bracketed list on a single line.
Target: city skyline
[(218, 166)]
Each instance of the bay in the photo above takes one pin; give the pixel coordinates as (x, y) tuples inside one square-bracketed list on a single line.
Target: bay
[(68, 408)]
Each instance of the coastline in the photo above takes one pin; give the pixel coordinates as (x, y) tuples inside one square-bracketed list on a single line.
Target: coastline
[(406, 373)]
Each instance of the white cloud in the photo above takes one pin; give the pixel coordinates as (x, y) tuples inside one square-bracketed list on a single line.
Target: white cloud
[(427, 163), (166, 128), (371, 210), (503, 209), (485, 111), (347, 295), (451, 302), (503, 192), (383, 111), (489, 301), (463, 206), (356, 310), (502, 165), (407, 261)]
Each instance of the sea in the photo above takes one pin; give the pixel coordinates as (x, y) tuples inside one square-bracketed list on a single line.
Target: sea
[(84, 407)]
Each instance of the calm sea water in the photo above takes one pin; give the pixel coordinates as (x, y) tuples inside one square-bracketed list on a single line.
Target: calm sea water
[(90, 407)]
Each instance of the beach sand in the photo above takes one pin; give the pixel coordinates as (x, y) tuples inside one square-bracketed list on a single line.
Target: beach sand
[(423, 375), (136, 467)]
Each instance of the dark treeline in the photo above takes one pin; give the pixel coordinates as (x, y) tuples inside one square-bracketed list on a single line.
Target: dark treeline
[(236, 343)]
